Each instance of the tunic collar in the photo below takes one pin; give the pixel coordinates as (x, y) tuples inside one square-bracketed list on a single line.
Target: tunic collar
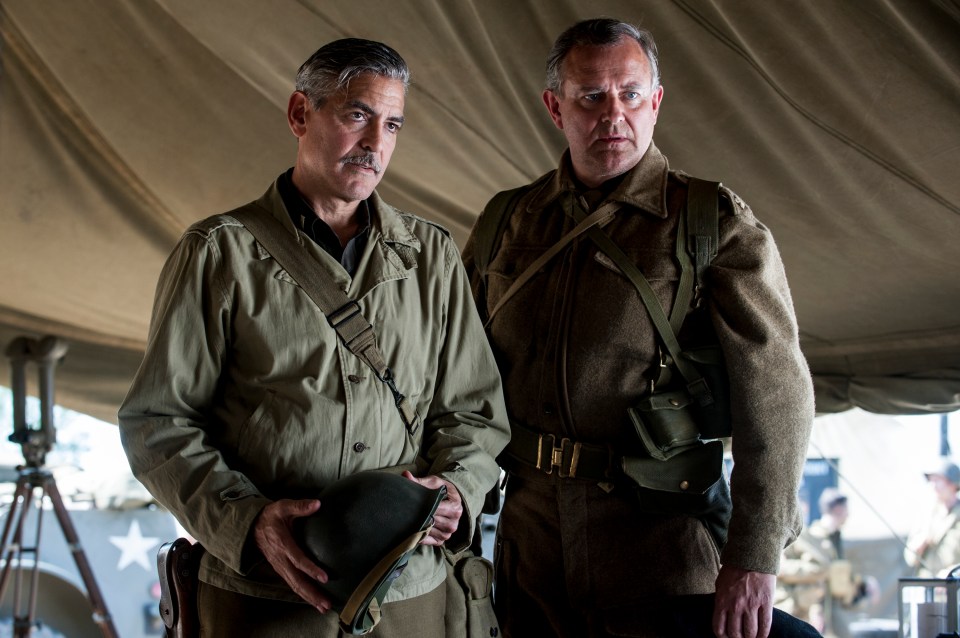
[(644, 186)]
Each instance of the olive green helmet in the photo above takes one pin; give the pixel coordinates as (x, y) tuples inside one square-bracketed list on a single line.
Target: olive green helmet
[(367, 527)]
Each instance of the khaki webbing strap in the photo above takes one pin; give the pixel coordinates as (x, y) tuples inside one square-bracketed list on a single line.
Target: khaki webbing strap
[(350, 616), (698, 235), (599, 216), (486, 236), (703, 227), (342, 312), (685, 287), (695, 383)]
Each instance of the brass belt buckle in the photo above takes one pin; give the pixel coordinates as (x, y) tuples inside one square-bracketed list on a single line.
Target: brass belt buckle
[(558, 455)]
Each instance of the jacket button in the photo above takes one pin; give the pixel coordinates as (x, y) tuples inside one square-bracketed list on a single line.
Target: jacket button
[(353, 378), (684, 485), (359, 447), (548, 408)]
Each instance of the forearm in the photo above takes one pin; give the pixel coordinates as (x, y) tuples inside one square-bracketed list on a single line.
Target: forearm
[(467, 425), (771, 393)]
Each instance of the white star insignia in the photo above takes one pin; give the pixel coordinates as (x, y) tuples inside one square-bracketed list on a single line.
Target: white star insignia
[(134, 547)]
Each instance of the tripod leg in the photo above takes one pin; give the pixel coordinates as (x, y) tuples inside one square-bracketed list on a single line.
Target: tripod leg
[(101, 616), (23, 497), (24, 624), (21, 493)]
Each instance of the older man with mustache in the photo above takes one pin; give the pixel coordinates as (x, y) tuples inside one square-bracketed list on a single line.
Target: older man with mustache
[(248, 403)]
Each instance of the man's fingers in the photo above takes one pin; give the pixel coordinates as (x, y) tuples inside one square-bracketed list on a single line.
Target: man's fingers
[(720, 623), (306, 589), (273, 532), (765, 622), (446, 519), (449, 511), (750, 623), (300, 561)]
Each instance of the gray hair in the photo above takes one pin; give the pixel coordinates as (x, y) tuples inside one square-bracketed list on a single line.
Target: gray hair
[(599, 32), (330, 69)]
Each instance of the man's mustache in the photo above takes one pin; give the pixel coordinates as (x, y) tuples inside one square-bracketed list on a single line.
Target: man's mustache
[(366, 160)]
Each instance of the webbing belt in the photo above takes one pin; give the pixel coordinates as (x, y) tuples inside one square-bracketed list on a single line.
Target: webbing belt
[(569, 459)]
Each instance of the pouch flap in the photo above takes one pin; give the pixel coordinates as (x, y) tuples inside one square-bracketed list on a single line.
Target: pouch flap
[(665, 424), (476, 574), (690, 472), (675, 400)]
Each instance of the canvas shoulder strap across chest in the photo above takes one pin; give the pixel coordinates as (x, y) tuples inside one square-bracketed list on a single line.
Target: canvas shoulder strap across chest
[(490, 227), (696, 246), (342, 313), (697, 242)]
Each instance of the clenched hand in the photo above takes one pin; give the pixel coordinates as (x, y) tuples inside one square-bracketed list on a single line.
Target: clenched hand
[(447, 517)]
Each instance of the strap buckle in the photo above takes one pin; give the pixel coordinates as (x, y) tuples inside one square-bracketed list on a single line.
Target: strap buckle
[(564, 458), (352, 327), (343, 314)]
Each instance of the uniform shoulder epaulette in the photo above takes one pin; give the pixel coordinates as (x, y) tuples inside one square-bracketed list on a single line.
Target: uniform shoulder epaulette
[(409, 219), (208, 225), (731, 201)]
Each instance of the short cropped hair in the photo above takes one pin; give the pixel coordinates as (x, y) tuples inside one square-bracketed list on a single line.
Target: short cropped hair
[(599, 32), (332, 66), (831, 497)]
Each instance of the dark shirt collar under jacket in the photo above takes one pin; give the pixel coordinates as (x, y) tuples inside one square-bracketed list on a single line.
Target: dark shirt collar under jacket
[(305, 219)]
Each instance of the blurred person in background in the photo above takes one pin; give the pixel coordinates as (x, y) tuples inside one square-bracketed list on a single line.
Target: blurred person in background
[(815, 579), (933, 549)]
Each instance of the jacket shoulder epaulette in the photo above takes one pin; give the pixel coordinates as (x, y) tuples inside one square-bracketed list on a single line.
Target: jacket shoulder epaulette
[(410, 220)]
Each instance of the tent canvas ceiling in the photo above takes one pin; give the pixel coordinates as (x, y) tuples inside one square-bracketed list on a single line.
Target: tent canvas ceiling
[(122, 122)]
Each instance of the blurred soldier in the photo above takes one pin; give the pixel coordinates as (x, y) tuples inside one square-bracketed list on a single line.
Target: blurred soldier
[(814, 575), (934, 548)]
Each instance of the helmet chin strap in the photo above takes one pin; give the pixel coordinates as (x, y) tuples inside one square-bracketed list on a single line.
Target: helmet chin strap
[(374, 582)]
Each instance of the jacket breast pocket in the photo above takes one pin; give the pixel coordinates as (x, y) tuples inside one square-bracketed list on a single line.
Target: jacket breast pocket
[(656, 265), (507, 266)]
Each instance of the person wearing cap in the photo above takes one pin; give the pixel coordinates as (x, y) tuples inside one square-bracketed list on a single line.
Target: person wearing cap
[(247, 403), (933, 549), (815, 577)]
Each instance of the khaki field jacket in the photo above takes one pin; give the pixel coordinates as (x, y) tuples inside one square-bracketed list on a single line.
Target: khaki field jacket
[(246, 394)]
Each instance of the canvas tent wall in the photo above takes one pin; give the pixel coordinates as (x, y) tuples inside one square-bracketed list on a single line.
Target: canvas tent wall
[(122, 122)]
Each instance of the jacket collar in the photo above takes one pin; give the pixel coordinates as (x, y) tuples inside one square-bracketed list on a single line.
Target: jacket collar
[(384, 218), (644, 187), (394, 227), (272, 201)]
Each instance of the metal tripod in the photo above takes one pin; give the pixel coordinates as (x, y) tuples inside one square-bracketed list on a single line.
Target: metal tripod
[(33, 476)]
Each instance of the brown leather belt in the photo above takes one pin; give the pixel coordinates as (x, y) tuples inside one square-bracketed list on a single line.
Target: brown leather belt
[(569, 459)]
